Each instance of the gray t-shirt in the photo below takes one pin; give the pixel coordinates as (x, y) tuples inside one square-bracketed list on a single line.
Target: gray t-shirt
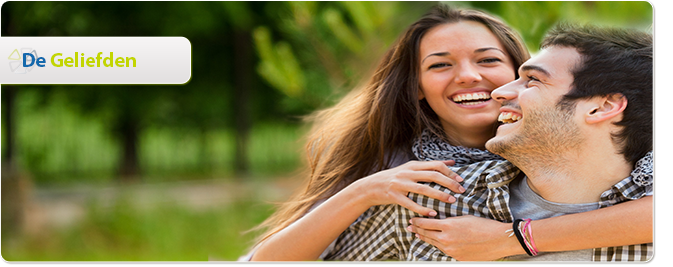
[(525, 203)]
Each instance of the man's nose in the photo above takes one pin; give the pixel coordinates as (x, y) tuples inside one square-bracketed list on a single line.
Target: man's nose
[(467, 74), (506, 92)]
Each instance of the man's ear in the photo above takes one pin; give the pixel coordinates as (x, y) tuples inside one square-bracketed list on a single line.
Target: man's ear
[(605, 108)]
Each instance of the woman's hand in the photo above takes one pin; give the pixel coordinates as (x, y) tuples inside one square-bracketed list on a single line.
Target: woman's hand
[(393, 185), (467, 238)]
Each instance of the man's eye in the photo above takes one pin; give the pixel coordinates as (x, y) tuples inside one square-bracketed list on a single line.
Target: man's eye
[(531, 79)]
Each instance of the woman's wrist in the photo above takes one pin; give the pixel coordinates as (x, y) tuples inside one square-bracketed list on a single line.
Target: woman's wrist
[(358, 195)]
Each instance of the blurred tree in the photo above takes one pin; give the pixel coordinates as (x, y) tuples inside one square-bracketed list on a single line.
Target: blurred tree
[(324, 49), (541, 15)]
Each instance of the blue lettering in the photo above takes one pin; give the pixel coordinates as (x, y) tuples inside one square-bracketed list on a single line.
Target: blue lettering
[(32, 60), (40, 60)]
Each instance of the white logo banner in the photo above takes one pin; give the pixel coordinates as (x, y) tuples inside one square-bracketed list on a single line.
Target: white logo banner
[(95, 60)]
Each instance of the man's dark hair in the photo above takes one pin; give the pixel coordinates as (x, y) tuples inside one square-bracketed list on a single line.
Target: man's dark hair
[(613, 61)]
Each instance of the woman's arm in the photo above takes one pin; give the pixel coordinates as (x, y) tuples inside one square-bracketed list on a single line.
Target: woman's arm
[(308, 237), (474, 238), (604, 227)]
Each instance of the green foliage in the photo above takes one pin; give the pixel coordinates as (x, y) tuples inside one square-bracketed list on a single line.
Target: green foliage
[(336, 45), (278, 64), (61, 146), (532, 19), (125, 232)]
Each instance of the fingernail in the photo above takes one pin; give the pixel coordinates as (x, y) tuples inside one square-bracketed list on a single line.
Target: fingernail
[(433, 213), (418, 236), (410, 222), (459, 179), (461, 189), (409, 228), (452, 199)]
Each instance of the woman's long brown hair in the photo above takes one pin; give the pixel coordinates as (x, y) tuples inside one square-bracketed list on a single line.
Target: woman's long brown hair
[(360, 134)]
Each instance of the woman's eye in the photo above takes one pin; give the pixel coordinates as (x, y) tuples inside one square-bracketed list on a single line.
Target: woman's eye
[(490, 60), (439, 65)]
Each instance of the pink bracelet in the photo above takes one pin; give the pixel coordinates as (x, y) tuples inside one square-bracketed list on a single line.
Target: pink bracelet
[(528, 235)]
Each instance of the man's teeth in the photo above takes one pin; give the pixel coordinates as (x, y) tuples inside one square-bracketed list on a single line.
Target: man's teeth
[(509, 117), (473, 96)]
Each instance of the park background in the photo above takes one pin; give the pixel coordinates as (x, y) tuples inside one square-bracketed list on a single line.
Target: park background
[(179, 173)]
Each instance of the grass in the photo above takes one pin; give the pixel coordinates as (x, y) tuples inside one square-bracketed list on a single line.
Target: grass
[(166, 232)]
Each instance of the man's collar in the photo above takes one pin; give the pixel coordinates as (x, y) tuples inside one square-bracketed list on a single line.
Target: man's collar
[(496, 176)]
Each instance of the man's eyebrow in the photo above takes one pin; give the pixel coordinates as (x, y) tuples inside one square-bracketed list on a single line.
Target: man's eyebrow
[(535, 68), (436, 54)]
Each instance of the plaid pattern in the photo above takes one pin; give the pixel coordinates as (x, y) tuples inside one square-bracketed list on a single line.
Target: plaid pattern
[(380, 233), (627, 189)]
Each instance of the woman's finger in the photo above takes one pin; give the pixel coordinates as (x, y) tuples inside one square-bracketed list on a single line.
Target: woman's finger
[(429, 191), (415, 207), (429, 224), (438, 166), (433, 176), (422, 231)]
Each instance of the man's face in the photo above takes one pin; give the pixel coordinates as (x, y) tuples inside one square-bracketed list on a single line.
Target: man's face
[(534, 125)]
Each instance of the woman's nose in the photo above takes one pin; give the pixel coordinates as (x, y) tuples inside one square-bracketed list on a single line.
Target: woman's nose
[(467, 74)]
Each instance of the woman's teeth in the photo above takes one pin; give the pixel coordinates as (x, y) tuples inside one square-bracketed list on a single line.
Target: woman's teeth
[(471, 99), (509, 117)]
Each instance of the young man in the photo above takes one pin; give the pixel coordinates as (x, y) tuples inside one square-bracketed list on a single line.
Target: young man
[(575, 124)]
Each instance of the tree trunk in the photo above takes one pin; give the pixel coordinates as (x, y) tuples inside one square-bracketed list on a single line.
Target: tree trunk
[(243, 59), (8, 97), (13, 193), (129, 170)]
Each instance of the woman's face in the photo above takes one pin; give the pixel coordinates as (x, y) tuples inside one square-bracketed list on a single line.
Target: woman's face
[(461, 63)]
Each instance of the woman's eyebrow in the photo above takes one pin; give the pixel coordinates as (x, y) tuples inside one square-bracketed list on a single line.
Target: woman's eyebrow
[(436, 54), (489, 48)]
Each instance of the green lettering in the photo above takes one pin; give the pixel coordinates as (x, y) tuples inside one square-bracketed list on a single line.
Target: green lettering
[(105, 61), (98, 57), (90, 62), (128, 59), (68, 62), (60, 61), (119, 61)]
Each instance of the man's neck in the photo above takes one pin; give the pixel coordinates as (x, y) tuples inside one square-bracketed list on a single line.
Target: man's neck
[(575, 178)]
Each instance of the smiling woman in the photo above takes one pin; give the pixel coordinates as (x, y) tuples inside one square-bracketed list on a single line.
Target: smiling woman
[(457, 79)]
